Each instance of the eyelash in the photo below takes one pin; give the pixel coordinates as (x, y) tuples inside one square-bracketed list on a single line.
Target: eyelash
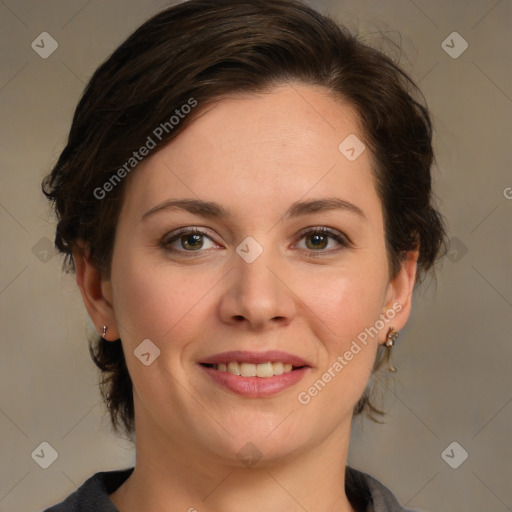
[(342, 239)]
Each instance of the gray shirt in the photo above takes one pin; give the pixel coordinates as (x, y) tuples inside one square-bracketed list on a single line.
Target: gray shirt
[(365, 493)]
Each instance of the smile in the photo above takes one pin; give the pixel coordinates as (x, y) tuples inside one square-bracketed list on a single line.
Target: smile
[(254, 374)]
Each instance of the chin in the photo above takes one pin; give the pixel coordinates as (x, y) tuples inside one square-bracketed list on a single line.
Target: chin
[(257, 442)]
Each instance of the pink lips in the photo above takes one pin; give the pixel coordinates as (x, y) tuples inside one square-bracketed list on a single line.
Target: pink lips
[(255, 387), (242, 356)]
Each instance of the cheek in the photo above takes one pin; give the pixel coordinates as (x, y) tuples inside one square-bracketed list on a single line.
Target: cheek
[(347, 302), (347, 307), (151, 301), (158, 302)]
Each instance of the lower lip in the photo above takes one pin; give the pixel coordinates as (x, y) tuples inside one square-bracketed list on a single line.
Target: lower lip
[(256, 387)]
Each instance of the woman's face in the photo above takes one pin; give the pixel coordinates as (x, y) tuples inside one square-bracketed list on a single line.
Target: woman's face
[(261, 283)]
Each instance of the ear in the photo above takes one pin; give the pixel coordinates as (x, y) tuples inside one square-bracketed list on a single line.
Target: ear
[(96, 292), (399, 295)]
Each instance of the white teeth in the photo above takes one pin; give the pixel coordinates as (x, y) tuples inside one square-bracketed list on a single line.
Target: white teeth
[(264, 370), (248, 370), (254, 370), (278, 368), (234, 368)]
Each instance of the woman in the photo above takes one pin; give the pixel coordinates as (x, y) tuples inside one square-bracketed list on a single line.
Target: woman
[(245, 198)]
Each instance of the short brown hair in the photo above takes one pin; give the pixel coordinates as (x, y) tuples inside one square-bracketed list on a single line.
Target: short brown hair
[(207, 50)]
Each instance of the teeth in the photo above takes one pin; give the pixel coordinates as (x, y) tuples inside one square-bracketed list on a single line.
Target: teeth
[(254, 370), (278, 368), (248, 370), (264, 370), (234, 368)]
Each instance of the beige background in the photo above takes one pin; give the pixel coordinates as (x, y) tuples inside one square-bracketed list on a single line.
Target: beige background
[(454, 381)]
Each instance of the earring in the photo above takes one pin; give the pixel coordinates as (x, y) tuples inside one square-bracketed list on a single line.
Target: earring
[(391, 337), (104, 331)]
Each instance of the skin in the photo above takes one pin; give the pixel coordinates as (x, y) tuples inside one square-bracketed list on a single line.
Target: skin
[(256, 155)]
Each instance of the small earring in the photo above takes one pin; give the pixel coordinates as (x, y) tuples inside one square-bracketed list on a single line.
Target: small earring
[(391, 337), (104, 331)]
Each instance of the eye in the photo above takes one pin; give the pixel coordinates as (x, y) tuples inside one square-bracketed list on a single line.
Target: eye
[(189, 240), (317, 239)]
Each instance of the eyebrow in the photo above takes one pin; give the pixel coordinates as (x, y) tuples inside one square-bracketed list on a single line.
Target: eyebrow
[(211, 209)]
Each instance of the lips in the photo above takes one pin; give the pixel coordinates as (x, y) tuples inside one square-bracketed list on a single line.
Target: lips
[(255, 374), (240, 356)]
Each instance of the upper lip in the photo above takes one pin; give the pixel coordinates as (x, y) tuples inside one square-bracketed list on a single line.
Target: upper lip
[(242, 356)]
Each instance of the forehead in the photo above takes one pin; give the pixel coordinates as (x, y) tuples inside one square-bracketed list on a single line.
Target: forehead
[(291, 119), (256, 148)]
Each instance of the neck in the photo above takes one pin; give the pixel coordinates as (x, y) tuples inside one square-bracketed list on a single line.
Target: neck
[(170, 476)]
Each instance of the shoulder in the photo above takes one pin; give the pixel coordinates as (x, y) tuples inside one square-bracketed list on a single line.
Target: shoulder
[(93, 494), (367, 494)]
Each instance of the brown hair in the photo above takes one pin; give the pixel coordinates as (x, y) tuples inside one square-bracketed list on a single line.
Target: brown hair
[(203, 50)]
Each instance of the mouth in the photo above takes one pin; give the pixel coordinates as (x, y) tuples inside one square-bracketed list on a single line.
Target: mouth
[(255, 374)]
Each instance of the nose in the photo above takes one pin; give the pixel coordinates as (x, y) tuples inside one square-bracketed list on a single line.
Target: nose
[(257, 294)]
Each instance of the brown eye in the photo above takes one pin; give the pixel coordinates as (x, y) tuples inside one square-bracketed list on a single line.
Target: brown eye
[(186, 240), (193, 241), (318, 239)]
